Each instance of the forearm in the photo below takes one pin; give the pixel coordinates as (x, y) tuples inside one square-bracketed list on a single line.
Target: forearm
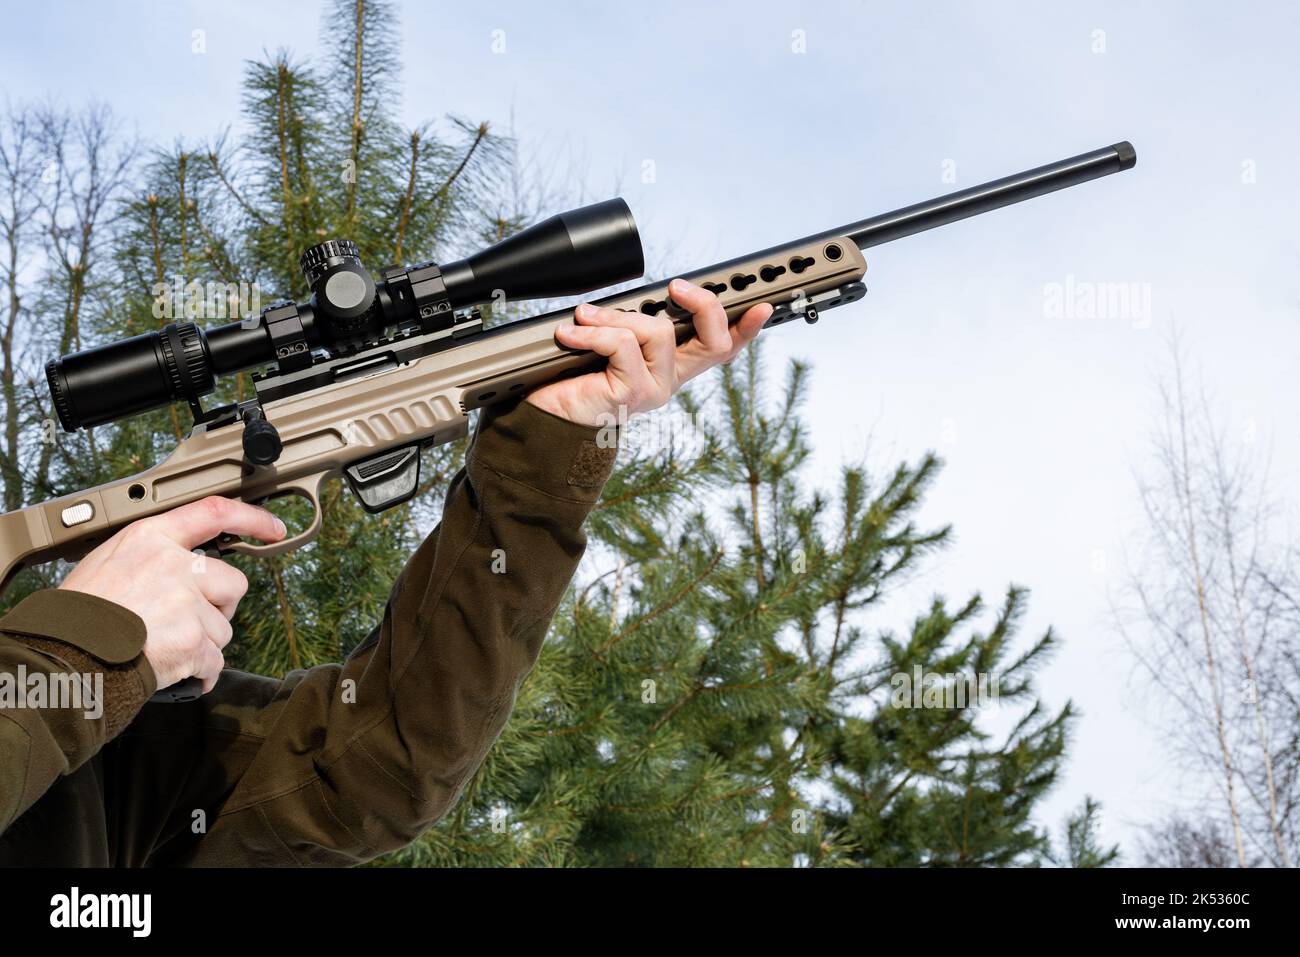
[(361, 758)]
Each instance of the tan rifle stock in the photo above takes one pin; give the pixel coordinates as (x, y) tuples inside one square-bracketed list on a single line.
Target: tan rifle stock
[(425, 401)]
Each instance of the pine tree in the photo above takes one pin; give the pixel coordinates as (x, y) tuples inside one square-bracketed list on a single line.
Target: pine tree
[(709, 697), (1082, 847)]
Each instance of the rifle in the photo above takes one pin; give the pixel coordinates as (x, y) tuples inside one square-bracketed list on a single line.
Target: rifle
[(356, 380)]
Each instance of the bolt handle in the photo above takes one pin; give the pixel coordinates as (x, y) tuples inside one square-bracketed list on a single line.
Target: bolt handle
[(262, 443)]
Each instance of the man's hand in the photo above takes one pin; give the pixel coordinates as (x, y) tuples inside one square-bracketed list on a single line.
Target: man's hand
[(646, 366), (185, 599)]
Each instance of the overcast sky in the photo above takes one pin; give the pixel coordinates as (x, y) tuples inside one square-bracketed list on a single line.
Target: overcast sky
[(1041, 419)]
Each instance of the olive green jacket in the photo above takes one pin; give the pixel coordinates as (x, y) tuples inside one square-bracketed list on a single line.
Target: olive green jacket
[(329, 766)]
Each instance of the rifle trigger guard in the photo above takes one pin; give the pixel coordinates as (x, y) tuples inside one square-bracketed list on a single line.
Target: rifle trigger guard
[(307, 487)]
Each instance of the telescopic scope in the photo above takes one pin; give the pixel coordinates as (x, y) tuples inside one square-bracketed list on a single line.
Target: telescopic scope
[(571, 253)]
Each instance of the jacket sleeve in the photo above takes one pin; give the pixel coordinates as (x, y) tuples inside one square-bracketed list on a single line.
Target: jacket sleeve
[(72, 676), (348, 761)]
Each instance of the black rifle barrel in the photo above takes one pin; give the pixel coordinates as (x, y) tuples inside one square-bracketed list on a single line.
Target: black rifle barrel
[(959, 205), (980, 199)]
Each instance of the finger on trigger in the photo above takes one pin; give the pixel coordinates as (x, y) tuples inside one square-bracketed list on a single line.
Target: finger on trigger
[(198, 522)]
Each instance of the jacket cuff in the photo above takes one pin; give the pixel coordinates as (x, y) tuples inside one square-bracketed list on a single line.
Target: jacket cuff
[(99, 627), (85, 634), (552, 455)]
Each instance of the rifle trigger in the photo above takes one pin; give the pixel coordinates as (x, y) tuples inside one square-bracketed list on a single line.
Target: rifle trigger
[(218, 547), (387, 479)]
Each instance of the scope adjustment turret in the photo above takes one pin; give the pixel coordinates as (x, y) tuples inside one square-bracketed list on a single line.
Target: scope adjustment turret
[(343, 292)]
